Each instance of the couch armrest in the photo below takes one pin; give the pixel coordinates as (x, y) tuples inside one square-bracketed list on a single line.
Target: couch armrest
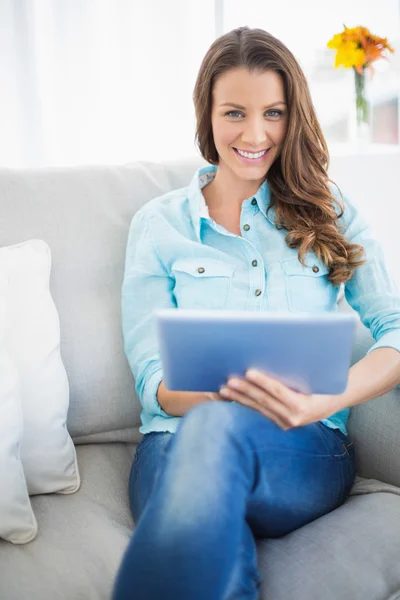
[(374, 426)]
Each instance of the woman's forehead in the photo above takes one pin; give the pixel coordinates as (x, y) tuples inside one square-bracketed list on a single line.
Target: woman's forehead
[(240, 86)]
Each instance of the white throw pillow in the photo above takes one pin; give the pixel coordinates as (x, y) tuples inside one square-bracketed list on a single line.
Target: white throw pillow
[(17, 521), (33, 343)]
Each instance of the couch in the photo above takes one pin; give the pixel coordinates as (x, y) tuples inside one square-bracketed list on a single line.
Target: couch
[(84, 213)]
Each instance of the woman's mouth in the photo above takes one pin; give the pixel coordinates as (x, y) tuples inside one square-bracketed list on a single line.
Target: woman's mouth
[(251, 158)]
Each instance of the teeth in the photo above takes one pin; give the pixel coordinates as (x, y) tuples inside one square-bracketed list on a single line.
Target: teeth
[(250, 154)]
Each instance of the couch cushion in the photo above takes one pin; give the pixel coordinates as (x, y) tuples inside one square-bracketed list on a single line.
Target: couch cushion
[(350, 554), (81, 537), (84, 215), (17, 521), (33, 340)]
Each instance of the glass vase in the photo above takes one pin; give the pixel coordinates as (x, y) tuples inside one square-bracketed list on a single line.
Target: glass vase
[(362, 108)]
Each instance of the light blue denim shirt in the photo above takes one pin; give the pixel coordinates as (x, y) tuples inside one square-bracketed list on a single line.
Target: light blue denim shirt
[(172, 236)]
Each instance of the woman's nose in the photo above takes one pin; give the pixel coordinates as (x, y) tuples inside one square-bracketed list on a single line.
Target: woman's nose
[(255, 135)]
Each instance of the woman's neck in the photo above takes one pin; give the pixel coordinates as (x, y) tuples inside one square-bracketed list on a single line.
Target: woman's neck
[(228, 190)]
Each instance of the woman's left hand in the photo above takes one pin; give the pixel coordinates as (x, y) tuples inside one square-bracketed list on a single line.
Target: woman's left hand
[(279, 403)]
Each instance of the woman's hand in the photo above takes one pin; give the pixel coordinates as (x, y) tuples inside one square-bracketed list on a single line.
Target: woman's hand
[(279, 403)]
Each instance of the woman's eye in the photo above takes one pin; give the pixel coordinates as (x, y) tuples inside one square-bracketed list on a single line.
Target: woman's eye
[(232, 113), (270, 113)]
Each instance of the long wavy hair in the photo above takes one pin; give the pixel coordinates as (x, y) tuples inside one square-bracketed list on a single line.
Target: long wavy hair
[(298, 180)]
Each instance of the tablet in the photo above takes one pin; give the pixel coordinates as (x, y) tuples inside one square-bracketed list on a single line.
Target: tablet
[(201, 349)]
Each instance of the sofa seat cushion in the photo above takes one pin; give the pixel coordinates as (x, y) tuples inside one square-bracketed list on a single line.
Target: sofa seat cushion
[(82, 537), (350, 553)]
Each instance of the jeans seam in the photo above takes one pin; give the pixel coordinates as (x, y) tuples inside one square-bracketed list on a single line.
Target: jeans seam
[(332, 453), (291, 450), (139, 450)]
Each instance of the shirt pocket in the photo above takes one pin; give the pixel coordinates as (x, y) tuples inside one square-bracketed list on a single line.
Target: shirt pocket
[(308, 288), (202, 283)]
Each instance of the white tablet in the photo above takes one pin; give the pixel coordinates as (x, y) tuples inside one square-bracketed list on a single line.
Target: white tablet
[(201, 349)]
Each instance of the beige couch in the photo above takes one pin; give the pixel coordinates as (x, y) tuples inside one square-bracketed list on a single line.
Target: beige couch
[(84, 215)]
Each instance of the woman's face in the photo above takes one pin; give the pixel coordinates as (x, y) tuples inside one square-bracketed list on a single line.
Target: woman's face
[(249, 115)]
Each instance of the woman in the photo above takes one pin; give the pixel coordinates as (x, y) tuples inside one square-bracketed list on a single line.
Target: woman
[(261, 228)]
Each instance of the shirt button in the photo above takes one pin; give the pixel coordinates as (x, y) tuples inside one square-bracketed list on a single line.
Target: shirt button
[(258, 292), (200, 270), (254, 202), (246, 227), (315, 269), (254, 263)]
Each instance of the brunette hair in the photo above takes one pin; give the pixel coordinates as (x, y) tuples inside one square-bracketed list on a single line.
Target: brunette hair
[(300, 187)]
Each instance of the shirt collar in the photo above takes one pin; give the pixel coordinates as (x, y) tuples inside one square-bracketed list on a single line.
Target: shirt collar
[(197, 204)]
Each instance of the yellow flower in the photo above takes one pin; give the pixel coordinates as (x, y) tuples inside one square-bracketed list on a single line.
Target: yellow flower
[(357, 47), (348, 55), (336, 41)]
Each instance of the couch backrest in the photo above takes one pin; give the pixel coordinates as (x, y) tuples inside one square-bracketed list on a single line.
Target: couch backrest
[(84, 215)]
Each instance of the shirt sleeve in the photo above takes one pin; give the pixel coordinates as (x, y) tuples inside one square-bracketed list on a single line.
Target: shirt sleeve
[(371, 291), (146, 287)]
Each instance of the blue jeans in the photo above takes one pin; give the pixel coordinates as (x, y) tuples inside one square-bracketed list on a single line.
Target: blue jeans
[(202, 496)]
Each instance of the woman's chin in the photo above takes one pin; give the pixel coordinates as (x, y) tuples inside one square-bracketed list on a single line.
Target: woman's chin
[(248, 171)]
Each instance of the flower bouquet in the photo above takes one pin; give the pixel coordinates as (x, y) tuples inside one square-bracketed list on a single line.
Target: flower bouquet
[(357, 48)]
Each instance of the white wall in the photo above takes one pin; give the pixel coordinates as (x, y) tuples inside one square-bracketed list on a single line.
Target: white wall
[(371, 180)]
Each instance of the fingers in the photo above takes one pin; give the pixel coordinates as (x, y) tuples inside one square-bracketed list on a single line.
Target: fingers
[(246, 400), (273, 387)]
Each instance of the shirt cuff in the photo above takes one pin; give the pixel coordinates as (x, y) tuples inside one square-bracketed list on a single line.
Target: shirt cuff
[(391, 339), (149, 400)]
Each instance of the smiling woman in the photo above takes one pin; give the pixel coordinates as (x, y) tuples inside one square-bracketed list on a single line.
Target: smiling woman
[(254, 81), (260, 228)]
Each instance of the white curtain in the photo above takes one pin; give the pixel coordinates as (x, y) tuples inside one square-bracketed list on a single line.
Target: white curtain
[(99, 81)]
